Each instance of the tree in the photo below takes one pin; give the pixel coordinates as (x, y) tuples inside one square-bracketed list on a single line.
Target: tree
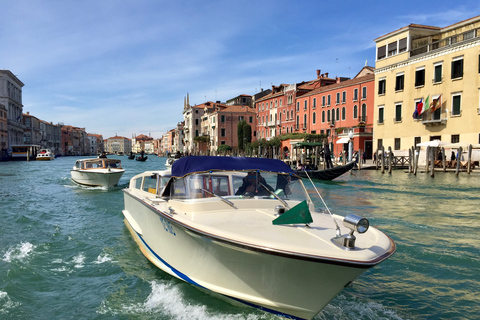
[(244, 134), (223, 148)]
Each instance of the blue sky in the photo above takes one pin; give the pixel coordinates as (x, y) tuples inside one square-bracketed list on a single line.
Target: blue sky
[(124, 66)]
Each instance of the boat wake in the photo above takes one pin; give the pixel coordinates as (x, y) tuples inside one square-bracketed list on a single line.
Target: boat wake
[(19, 252)]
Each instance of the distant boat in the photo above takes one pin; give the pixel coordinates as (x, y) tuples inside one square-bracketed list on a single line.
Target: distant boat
[(141, 158), (97, 172), (131, 156), (327, 174), (45, 155)]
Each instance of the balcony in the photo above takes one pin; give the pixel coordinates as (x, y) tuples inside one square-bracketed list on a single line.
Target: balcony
[(443, 43), (435, 122)]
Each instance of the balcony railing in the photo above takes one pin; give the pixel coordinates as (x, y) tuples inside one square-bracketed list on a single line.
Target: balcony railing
[(450, 41)]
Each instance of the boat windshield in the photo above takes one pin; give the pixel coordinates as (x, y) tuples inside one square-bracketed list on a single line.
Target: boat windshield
[(240, 185)]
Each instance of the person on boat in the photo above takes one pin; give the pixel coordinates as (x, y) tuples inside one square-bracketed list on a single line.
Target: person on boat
[(103, 155), (254, 185), (328, 155)]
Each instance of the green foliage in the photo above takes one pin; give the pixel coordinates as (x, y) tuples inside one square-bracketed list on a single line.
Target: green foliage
[(224, 148), (202, 139), (244, 134), (307, 137)]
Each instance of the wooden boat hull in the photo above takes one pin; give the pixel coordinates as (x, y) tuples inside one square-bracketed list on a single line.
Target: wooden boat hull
[(327, 174)]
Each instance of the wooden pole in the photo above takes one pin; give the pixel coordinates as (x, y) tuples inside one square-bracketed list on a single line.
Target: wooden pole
[(444, 160), (469, 160), (432, 157), (377, 160), (416, 155), (390, 159), (458, 160), (427, 159), (383, 160), (410, 166)]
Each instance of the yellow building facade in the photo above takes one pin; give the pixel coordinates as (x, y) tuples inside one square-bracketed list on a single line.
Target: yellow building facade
[(438, 68)]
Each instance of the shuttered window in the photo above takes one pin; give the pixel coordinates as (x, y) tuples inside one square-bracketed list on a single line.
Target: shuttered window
[(382, 52)]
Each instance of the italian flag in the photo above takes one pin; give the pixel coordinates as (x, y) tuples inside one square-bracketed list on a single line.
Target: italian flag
[(424, 106)]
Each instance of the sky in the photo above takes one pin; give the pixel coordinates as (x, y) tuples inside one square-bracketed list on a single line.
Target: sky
[(124, 67)]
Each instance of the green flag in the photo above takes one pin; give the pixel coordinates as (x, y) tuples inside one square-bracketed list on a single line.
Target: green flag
[(297, 214)]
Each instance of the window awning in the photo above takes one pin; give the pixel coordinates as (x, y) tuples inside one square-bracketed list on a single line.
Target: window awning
[(343, 140)]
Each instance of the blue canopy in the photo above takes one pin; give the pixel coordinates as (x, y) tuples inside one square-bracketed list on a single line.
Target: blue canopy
[(193, 164)]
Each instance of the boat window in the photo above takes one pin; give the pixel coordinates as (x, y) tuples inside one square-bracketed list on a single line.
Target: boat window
[(150, 184), (201, 186), (138, 183)]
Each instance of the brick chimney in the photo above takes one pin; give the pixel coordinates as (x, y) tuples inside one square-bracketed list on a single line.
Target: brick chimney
[(318, 74), (326, 74)]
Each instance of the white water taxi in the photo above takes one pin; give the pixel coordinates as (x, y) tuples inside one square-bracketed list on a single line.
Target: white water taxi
[(97, 172), (45, 155), (246, 229)]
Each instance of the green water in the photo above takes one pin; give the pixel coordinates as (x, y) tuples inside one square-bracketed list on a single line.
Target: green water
[(66, 254)]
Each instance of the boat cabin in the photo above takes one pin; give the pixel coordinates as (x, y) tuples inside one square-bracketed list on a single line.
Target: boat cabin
[(97, 163)]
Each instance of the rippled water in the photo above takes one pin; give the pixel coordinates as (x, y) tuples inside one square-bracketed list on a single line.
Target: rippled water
[(66, 254)]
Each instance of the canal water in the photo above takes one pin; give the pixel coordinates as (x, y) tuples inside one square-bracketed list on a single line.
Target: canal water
[(66, 254)]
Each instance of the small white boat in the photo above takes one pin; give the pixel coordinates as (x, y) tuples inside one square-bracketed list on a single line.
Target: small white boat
[(246, 229), (45, 155), (97, 172)]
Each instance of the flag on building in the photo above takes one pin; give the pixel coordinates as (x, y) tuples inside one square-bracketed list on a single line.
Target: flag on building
[(418, 109), (436, 103), (425, 105)]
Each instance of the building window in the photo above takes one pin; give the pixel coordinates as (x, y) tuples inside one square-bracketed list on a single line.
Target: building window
[(291, 114), (381, 52), (379, 143), (305, 105), (397, 144), (344, 113), (363, 116), (457, 68), (240, 118), (314, 103), (380, 114), (338, 98), (420, 77), (250, 119), (398, 112), (298, 120), (381, 86), (344, 96), (328, 100), (416, 141), (392, 48), (355, 94), (323, 116), (355, 112), (314, 118), (222, 142), (402, 45), (323, 101), (338, 114), (305, 121), (456, 104), (298, 106), (222, 119), (437, 73), (222, 132), (196, 133), (364, 93), (328, 115), (399, 82), (455, 138)]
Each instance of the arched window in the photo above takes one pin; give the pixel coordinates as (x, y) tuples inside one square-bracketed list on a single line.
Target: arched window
[(344, 113), (323, 116), (355, 112), (305, 121), (298, 120), (314, 118), (364, 112), (338, 114), (328, 115)]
